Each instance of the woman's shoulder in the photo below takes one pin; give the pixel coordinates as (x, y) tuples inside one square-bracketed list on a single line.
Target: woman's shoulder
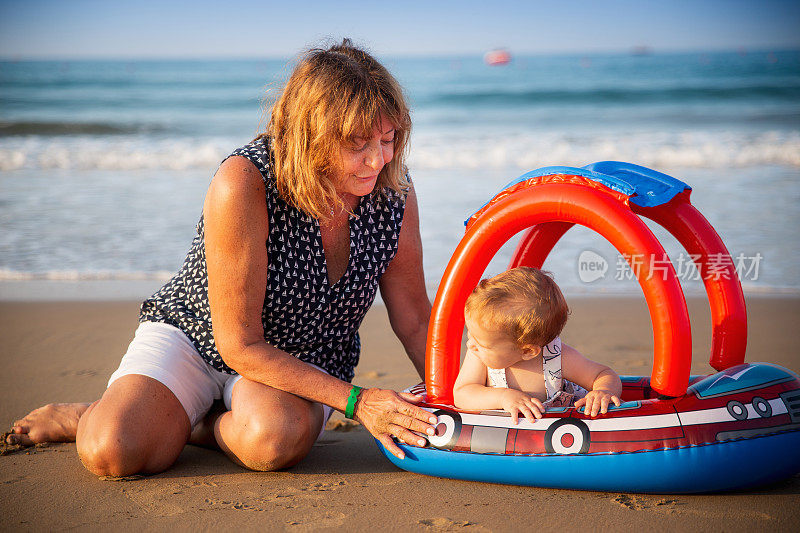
[(258, 152), (243, 172), (236, 180), (247, 166), (237, 169)]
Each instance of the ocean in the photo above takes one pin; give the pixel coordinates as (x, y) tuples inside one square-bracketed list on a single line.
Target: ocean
[(104, 164)]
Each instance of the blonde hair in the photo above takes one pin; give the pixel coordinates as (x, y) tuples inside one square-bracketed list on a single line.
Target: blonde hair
[(333, 96), (524, 303)]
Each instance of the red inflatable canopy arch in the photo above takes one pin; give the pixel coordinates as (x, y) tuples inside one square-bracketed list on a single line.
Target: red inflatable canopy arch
[(548, 206)]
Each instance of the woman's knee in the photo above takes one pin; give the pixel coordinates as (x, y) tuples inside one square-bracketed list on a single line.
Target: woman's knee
[(123, 434), (115, 450), (279, 440), (108, 452)]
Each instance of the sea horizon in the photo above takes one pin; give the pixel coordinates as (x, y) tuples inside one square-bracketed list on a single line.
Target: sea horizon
[(635, 51)]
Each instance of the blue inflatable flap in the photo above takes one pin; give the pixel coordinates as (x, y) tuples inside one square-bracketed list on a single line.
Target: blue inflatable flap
[(651, 187), (645, 187)]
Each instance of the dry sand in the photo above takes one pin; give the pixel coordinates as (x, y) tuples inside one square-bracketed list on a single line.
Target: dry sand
[(65, 351)]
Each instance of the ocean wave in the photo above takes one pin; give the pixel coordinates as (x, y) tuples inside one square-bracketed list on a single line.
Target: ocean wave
[(72, 128), (7, 274), (444, 149), (117, 153), (607, 95), (657, 150)]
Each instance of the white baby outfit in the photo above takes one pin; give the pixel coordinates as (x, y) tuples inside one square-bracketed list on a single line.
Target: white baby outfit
[(560, 392)]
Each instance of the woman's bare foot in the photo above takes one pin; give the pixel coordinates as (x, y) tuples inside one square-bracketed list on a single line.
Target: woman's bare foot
[(55, 422), (203, 432)]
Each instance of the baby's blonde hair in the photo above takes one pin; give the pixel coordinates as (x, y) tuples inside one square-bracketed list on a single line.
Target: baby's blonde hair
[(332, 97), (524, 303)]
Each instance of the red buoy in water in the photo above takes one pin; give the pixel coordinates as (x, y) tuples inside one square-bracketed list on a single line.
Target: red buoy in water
[(496, 57)]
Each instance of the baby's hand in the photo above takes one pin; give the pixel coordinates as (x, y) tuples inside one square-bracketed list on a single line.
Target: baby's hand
[(597, 401), (517, 402)]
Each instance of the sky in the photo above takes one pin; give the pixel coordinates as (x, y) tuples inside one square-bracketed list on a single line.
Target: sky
[(36, 29)]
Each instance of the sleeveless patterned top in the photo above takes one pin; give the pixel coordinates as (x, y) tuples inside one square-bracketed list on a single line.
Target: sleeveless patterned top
[(303, 313)]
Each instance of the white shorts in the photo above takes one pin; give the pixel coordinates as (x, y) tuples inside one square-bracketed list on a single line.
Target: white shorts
[(164, 353)]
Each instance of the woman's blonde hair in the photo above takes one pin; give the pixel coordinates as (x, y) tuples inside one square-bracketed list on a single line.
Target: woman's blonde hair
[(524, 303), (332, 97)]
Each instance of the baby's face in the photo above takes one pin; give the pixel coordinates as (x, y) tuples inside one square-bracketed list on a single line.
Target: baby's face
[(494, 349)]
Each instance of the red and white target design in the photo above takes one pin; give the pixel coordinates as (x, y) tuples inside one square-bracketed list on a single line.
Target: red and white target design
[(568, 435)]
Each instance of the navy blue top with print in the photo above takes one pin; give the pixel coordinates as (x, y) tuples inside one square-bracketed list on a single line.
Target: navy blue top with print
[(303, 314)]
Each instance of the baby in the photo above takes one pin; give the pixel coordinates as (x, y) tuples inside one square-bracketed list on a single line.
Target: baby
[(515, 360)]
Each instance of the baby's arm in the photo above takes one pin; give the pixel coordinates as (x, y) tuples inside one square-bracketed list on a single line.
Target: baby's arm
[(470, 392), (603, 383)]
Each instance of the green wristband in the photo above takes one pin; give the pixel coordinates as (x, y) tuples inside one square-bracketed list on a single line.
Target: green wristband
[(351, 402)]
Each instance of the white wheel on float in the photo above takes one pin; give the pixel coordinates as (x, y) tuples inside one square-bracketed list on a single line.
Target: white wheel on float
[(762, 407), (737, 410), (448, 428)]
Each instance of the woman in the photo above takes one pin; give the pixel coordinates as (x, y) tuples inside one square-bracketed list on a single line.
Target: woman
[(325, 189)]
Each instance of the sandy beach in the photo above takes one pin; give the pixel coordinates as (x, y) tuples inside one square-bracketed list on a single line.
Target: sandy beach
[(64, 351)]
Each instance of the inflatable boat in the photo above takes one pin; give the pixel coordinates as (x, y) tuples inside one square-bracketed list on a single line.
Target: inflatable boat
[(673, 433)]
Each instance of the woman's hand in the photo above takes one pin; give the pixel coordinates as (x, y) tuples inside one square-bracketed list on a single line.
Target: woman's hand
[(597, 401), (387, 414), (518, 403)]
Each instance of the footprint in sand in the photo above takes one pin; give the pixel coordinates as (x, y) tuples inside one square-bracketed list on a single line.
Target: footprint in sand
[(323, 487), (446, 524), (639, 504), (233, 504), (630, 502), (196, 484), (287, 494), (121, 478), (329, 521)]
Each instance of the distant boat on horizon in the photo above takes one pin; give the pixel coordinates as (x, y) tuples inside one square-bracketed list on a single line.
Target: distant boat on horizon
[(497, 57)]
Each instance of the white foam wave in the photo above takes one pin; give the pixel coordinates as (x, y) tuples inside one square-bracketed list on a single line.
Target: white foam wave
[(7, 274), (119, 153), (657, 150), (441, 149)]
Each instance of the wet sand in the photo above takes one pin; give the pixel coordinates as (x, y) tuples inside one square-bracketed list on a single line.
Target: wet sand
[(65, 351)]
